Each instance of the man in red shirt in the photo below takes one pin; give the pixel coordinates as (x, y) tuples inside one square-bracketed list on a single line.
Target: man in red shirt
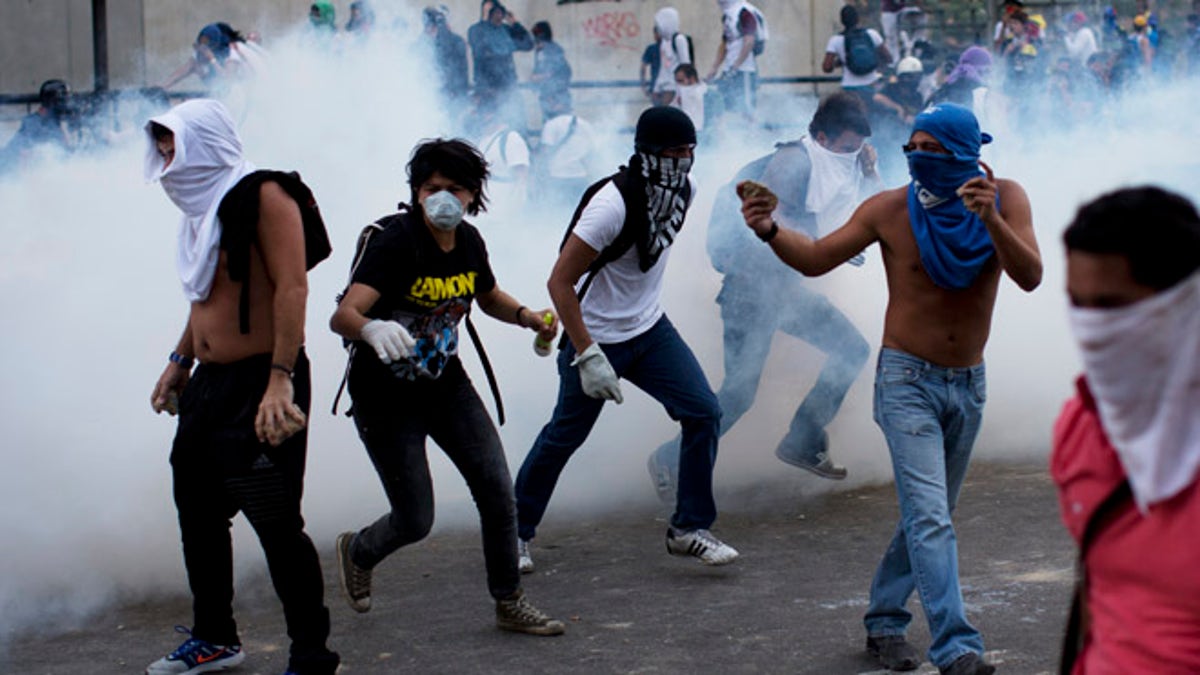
[(1133, 277)]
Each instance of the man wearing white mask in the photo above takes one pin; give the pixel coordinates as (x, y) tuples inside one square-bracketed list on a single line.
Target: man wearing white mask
[(246, 241), (606, 285), (820, 180), (1126, 455), (415, 282)]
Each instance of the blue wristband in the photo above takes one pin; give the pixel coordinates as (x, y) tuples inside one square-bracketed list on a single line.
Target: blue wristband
[(185, 362)]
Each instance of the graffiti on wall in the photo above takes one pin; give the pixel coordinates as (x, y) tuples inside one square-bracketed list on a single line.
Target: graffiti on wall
[(610, 28)]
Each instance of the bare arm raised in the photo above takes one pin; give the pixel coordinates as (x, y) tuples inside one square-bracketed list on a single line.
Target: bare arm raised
[(813, 257), (1011, 228)]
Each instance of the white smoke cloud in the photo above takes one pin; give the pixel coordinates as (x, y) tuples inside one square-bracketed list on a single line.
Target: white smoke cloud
[(93, 306)]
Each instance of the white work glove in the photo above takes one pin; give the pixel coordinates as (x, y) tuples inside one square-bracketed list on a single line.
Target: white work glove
[(596, 374), (389, 339)]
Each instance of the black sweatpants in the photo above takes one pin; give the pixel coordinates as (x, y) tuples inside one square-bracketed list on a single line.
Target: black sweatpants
[(220, 468)]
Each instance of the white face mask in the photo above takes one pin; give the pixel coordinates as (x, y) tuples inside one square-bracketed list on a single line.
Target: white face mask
[(1142, 363), (443, 210)]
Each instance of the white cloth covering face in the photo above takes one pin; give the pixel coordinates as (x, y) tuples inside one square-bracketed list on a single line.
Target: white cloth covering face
[(834, 185), (1142, 364), (208, 162)]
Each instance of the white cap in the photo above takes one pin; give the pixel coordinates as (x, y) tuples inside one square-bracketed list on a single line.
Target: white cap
[(908, 64)]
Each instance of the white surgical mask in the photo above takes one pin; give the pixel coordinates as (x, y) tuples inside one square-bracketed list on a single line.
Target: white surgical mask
[(443, 210)]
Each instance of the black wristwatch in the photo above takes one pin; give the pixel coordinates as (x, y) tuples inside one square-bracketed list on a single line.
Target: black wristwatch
[(770, 234)]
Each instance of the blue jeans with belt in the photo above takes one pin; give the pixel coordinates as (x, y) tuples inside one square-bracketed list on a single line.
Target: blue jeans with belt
[(660, 363), (930, 416)]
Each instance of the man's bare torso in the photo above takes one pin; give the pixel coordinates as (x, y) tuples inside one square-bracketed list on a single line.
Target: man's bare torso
[(945, 327), (216, 335)]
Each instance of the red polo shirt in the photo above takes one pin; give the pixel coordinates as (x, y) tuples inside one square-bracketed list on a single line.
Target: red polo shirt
[(1143, 570)]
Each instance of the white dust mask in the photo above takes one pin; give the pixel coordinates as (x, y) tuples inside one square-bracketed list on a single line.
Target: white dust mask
[(443, 210)]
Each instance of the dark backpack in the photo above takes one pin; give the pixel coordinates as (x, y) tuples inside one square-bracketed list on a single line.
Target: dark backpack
[(360, 250), (862, 56), (238, 213), (761, 32)]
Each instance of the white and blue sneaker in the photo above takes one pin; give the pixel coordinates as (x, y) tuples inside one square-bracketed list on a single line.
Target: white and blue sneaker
[(196, 656), (700, 544), (524, 559)]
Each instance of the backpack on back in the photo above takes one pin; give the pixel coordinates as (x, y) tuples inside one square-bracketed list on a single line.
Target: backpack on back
[(862, 58), (238, 212), (761, 32)]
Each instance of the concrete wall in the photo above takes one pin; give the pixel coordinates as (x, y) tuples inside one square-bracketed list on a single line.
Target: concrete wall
[(41, 39)]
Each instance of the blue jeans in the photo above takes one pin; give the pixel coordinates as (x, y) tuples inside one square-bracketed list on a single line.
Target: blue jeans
[(751, 320), (930, 416), (659, 363)]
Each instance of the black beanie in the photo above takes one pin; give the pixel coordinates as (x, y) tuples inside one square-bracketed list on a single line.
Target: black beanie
[(663, 127)]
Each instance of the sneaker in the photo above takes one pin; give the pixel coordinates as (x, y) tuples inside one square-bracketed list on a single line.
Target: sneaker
[(514, 613), (700, 544), (820, 464), (662, 479), (968, 664), (355, 581), (893, 652), (196, 656), (524, 560)]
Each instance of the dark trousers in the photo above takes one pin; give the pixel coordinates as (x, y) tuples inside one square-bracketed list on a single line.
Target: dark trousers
[(220, 468), (660, 363), (394, 418)]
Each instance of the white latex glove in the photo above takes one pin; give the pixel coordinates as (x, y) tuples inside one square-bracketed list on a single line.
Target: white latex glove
[(596, 374), (389, 339)]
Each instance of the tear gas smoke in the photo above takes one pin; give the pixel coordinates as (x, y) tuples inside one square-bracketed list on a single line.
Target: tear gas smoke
[(93, 305)]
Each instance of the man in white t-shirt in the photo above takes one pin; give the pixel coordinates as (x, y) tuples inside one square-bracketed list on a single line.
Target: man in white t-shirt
[(860, 67), (507, 155), (606, 286), (1080, 40), (735, 71), (566, 147)]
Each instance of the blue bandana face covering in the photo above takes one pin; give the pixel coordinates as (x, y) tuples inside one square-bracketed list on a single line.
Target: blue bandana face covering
[(941, 175), (953, 242)]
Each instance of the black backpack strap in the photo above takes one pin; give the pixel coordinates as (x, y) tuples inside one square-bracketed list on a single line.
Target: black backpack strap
[(360, 251), (487, 367), (238, 212), (1078, 619)]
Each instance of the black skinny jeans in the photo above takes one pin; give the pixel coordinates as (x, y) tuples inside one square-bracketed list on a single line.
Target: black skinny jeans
[(394, 417), (220, 468)]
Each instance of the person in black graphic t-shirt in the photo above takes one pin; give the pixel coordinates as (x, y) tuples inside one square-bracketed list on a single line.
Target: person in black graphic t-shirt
[(416, 281)]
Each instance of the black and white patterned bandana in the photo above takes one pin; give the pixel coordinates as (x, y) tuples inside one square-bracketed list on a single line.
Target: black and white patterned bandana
[(666, 198)]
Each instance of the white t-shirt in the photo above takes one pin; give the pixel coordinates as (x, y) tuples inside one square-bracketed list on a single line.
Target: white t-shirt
[(690, 99), (568, 159), (515, 153), (837, 45), (622, 302), (1081, 45), (733, 38), (671, 53)]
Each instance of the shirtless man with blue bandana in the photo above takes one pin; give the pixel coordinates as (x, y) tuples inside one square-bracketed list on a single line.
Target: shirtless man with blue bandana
[(945, 239)]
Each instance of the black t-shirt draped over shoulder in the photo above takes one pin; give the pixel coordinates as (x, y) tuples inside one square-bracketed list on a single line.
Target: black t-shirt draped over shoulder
[(425, 289)]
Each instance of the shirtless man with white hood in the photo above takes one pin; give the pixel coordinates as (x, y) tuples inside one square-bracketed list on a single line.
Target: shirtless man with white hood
[(241, 440)]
